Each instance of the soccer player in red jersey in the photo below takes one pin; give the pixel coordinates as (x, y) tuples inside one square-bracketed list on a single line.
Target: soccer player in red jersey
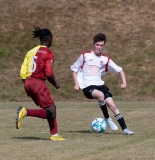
[(36, 68)]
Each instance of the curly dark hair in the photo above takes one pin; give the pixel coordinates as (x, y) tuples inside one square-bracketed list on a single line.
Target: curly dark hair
[(41, 33), (99, 37)]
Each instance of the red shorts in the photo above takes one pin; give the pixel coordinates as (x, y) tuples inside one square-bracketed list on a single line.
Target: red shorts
[(39, 92)]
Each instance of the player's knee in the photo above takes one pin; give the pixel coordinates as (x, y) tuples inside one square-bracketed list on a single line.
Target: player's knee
[(100, 96), (50, 114)]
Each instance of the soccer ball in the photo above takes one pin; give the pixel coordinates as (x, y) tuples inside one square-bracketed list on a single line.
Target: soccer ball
[(99, 125)]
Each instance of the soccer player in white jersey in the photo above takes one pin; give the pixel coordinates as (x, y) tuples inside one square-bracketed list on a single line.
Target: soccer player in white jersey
[(87, 74)]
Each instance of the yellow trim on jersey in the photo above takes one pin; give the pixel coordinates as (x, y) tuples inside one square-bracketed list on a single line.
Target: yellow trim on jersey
[(27, 66)]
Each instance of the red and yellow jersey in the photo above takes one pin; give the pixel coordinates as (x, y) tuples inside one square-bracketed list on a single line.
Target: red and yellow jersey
[(37, 63)]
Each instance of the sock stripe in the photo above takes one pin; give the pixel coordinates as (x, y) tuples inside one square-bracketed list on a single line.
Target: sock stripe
[(119, 116), (101, 103)]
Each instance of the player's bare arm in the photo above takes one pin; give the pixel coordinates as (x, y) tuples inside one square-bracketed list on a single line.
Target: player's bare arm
[(76, 87), (124, 84), (52, 80)]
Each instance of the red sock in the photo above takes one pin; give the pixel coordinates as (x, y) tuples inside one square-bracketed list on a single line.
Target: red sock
[(40, 113), (53, 126)]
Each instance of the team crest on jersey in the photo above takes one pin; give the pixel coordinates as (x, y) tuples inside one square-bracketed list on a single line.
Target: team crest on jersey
[(101, 62)]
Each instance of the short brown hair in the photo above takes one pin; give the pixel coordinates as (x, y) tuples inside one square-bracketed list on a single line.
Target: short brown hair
[(99, 37)]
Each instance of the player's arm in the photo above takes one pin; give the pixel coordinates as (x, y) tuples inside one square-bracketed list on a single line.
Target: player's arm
[(122, 74), (115, 68), (52, 80), (75, 68), (23, 70), (49, 71), (76, 86)]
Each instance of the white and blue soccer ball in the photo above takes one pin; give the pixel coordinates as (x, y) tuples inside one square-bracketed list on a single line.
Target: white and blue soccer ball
[(98, 125)]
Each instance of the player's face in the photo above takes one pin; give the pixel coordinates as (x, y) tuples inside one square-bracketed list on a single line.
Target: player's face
[(98, 47)]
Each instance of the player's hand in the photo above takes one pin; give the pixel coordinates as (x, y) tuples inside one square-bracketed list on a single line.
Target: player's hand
[(123, 85), (57, 86), (77, 88)]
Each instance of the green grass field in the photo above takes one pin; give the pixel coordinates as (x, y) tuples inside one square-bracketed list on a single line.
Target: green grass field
[(31, 141), (130, 30)]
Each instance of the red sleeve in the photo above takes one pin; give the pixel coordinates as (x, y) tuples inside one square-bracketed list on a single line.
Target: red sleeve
[(106, 66), (49, 64)]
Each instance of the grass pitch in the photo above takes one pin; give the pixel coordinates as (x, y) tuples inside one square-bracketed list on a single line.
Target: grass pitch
[(31, 141)]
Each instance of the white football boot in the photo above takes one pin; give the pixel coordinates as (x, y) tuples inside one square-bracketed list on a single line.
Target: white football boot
[(128, 132), (111, 124)]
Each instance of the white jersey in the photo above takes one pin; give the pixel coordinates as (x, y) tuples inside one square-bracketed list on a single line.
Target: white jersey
[(90, 68)]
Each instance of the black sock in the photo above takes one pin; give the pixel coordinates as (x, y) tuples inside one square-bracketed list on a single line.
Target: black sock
[(104, 109), (121, 121)]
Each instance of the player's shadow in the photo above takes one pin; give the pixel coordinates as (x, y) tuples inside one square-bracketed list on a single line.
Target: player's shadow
[(81, 131), (30, 138), (91, 132)]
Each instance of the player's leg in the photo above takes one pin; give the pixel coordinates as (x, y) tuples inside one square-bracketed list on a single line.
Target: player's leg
[(49, 113), (93, 92), (38, 91), (104, 109), (23, 112), (104, 93), (41, 95), (53, 124), (100, 97), (118, 115)]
